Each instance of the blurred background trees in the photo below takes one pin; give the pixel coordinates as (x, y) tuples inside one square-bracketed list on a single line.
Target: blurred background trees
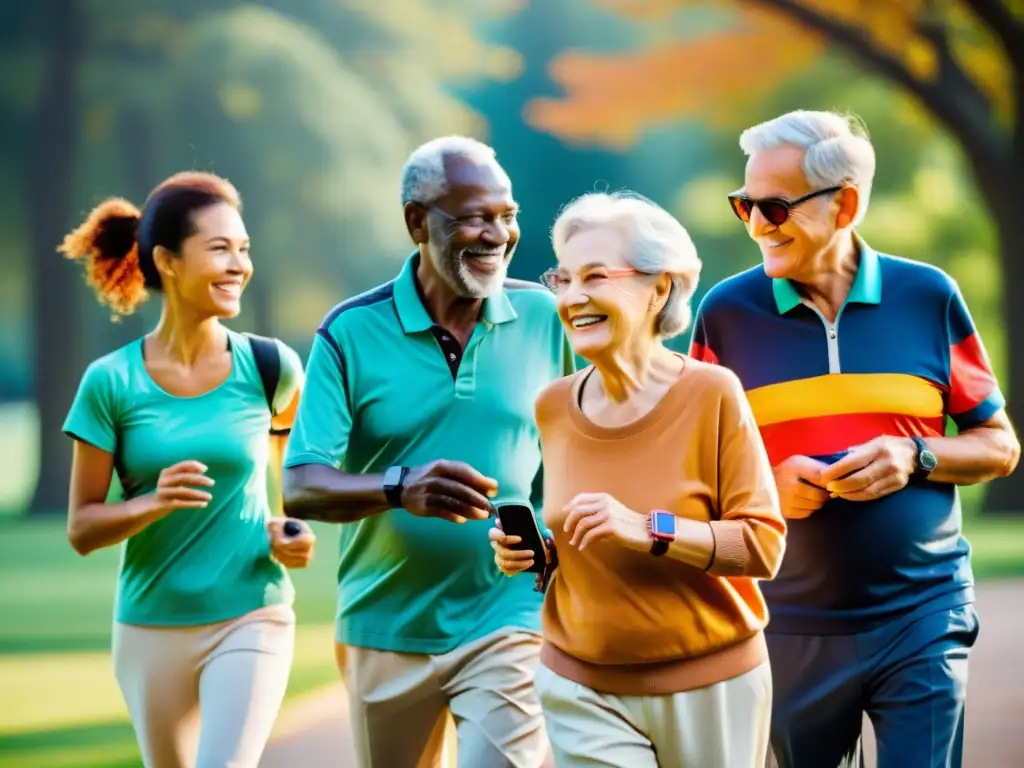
[(311, 106)]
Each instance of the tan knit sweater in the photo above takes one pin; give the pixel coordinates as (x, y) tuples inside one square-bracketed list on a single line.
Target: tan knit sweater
[(622, 621)]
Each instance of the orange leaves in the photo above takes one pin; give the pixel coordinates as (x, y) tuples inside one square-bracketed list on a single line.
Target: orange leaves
[(975, 50), (889, 27), (644, 9), (609, 100)]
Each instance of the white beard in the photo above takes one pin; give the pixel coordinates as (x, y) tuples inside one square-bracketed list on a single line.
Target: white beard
[(456, 272), (476, 287)]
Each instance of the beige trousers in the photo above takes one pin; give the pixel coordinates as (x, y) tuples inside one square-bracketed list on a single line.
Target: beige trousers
[(206, 696), (402, 704), (721, 726)]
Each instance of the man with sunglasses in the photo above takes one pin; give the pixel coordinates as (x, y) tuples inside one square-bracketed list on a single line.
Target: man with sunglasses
[(852, 361), (417, 416)]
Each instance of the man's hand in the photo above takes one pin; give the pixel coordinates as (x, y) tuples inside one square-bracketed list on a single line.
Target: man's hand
[(451, 490), (872, 470), (800, 490)]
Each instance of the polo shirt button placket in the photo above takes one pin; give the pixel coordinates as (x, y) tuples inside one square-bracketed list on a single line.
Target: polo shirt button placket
[(833, 347), (450, 350)]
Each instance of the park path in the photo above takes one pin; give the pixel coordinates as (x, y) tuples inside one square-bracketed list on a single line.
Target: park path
[(314, 732)]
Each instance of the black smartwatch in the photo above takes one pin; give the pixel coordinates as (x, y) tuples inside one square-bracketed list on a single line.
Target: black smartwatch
[(394, 480), (925, 462)]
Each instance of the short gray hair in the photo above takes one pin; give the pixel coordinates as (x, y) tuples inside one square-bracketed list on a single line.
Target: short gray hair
[(423, 176), (656, 243), (838, 149)]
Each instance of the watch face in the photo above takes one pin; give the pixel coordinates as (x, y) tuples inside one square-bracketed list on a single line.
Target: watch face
[(663, 524), (928, 460), (392, 477)]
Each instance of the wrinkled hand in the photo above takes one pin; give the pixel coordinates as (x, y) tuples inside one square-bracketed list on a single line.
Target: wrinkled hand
[(174, 488), (872, 470), (593, 517), (512, 561), (797, 480), (451, 490), (294, 551)]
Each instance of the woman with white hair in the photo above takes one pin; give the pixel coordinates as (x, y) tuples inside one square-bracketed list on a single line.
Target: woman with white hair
[(664, 512)]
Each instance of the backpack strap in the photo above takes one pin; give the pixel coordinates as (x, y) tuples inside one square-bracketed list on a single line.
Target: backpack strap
[(267, 356)]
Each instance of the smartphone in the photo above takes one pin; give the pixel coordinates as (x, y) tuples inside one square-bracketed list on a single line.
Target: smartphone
[(518, 520)]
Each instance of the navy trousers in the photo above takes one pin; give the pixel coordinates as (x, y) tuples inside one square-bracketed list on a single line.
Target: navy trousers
[(909, 676)]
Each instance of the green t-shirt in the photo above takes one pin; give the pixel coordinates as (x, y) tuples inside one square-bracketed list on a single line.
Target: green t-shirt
[(385, 386), (194, 566)]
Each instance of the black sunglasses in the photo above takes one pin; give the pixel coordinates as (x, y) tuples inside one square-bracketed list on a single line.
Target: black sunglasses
[(775, 209)]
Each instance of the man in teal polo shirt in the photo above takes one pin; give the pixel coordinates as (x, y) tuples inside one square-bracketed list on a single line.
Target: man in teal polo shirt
[(417, 414)]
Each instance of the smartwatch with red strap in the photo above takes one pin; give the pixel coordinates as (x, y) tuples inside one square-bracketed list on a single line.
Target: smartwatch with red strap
[(662, 527)]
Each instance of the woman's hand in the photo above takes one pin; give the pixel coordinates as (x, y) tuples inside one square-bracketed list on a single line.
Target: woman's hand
[(179, 487), (294, 551), (593, 517), (94, 524), (511, 561)]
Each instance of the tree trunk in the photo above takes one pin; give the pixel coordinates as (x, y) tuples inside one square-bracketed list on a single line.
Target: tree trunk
[(1006, 496), (260, 304), (59, 356)]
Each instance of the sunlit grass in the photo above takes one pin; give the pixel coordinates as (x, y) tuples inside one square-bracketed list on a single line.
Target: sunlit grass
[(104, 745), (57, 690), (51, 691), (60, 705), (997, 546)]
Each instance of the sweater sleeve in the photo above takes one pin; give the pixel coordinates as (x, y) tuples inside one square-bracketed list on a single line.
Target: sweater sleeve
[(750, 532)]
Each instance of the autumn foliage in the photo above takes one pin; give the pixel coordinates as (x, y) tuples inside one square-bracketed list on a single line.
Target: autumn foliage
[(610, 99), (962, 60)]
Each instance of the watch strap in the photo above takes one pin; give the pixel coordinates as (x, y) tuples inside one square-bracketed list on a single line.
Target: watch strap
[(919, 468), (659, 547)]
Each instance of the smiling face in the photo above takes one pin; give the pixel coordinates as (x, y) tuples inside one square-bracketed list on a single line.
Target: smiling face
[(213, 266), (792, 249), (470, 234), (604, 303)]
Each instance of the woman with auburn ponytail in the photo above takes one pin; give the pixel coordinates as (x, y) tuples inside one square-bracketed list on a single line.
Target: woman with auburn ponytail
[(204, 629)]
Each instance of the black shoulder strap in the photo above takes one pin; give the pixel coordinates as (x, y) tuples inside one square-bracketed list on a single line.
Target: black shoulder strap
[(268, 362)]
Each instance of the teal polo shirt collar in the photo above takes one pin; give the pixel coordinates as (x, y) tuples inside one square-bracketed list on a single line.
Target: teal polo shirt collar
[(413, 315), (866, 288)]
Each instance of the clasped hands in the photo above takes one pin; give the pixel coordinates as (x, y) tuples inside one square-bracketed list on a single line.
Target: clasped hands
[(869, 471), (590, 518)]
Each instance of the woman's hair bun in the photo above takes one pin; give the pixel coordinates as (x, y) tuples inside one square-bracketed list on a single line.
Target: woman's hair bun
[(107, 243)]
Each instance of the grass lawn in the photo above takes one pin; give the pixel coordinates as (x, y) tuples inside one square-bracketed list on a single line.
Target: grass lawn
[(996, 546), (60, 706)]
